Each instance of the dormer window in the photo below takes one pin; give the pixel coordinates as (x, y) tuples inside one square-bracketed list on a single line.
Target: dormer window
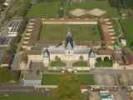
[(46, 53)]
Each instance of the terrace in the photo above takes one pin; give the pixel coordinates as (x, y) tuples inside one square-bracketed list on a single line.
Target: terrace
[(31, 34), (108, 32)]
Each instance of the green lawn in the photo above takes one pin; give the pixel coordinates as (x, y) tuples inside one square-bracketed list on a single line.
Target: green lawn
[(81, 33), (127, 25), (51, 8), (18, 96), (54, 79), (23, 97), (7, 76), (102, 4)]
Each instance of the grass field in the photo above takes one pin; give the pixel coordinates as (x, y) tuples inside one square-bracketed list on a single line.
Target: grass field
[(51, 8), (20, 96), (81, 33), (6, 76), (23, 97), (102, 4), (128, 30), (54, 79)]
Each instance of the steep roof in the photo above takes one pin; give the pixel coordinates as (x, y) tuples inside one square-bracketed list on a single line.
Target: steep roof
[(69, 41)]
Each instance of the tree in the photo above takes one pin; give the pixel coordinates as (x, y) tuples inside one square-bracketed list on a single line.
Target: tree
[(68, 89), (61, 12), (121, 3)]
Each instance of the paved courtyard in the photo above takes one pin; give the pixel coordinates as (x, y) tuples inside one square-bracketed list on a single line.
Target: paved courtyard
[(113, 77), (104, 79)]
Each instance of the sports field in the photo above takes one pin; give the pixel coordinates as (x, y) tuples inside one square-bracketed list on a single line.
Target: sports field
[(81, 33), (51, 8), (54, 79)]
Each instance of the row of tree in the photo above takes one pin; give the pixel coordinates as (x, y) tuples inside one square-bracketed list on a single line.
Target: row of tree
[(121, 3)]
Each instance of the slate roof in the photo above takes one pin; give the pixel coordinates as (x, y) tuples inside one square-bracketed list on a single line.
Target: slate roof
[(69, 41)]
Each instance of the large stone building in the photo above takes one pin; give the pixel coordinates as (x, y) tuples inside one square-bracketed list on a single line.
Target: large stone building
[(67, 51), (39, 59)]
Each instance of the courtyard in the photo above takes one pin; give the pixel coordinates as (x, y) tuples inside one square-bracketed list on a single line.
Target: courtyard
[(57, 33)]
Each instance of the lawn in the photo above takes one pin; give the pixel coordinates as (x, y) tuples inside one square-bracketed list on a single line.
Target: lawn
[(127, 25), (81, 33), (19, 96), (7, 76), (23, 97), (51, 8), (54, 79), (102, 4), (47, 9)]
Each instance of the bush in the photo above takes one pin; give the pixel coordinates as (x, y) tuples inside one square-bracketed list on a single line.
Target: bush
[(105, 63), (80, 63), (57, 62)]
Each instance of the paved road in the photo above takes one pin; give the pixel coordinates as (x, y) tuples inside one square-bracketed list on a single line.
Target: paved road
[(15, 88)]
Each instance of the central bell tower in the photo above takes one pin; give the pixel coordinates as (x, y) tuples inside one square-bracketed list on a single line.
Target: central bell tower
[(69, 43)]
